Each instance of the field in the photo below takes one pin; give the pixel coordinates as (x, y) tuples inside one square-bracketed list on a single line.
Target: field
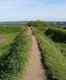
[(26, 50)]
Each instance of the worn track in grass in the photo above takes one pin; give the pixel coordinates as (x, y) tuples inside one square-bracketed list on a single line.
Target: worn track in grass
[(34, 70)]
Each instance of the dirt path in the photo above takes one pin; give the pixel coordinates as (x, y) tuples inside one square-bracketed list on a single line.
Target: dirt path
[(35, 69)]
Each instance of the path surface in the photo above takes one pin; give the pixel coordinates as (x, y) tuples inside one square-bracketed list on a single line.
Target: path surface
[(35, 69)]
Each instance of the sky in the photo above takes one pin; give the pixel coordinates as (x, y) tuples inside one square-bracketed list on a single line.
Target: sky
[(18, 10)]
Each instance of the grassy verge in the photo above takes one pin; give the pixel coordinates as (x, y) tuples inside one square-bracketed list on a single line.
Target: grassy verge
[(52, 58), (14, 59)]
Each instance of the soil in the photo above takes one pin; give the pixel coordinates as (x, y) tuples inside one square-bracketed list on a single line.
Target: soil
[(2, 39)]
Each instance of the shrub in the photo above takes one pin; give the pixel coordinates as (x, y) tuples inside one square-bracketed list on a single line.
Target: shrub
[(56, 35)]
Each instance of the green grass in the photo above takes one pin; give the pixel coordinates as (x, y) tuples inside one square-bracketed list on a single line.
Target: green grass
[(10, 28), (62, 48), (52, 57), (9, 34), (9, 37), (58, 36), (14, 54)]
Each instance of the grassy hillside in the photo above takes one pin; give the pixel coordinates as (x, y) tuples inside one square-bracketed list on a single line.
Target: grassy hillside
[(7, 35), (52, 56), (15, 44), (13, 52)]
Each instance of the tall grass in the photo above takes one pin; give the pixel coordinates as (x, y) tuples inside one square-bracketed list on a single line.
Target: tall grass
[(15, 58), (52, 57), (58, 36)]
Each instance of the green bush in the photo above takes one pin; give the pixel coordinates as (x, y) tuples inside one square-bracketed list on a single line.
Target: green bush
[(56, 35)]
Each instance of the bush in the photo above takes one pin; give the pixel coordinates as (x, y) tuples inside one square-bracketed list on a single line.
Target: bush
[(56, 35)]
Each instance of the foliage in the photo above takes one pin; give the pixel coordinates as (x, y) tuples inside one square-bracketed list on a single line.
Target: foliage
[(52, 57), (10, 29), (15, 57), (56, 35)]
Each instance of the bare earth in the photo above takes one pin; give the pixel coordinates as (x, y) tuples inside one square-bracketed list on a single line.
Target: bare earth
[(35, 69), (2, 39)]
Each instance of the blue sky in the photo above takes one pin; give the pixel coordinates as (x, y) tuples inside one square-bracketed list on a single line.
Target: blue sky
[(16, 10)]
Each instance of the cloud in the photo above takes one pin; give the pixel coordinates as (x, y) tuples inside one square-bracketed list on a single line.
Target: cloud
[(33, 9)]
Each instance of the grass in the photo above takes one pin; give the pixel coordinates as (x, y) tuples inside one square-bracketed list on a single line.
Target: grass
[(10, 28), (53, 59), (62, 48), (15, 54), (8, 34), (58, 36), (14, 50), (8, 39)]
